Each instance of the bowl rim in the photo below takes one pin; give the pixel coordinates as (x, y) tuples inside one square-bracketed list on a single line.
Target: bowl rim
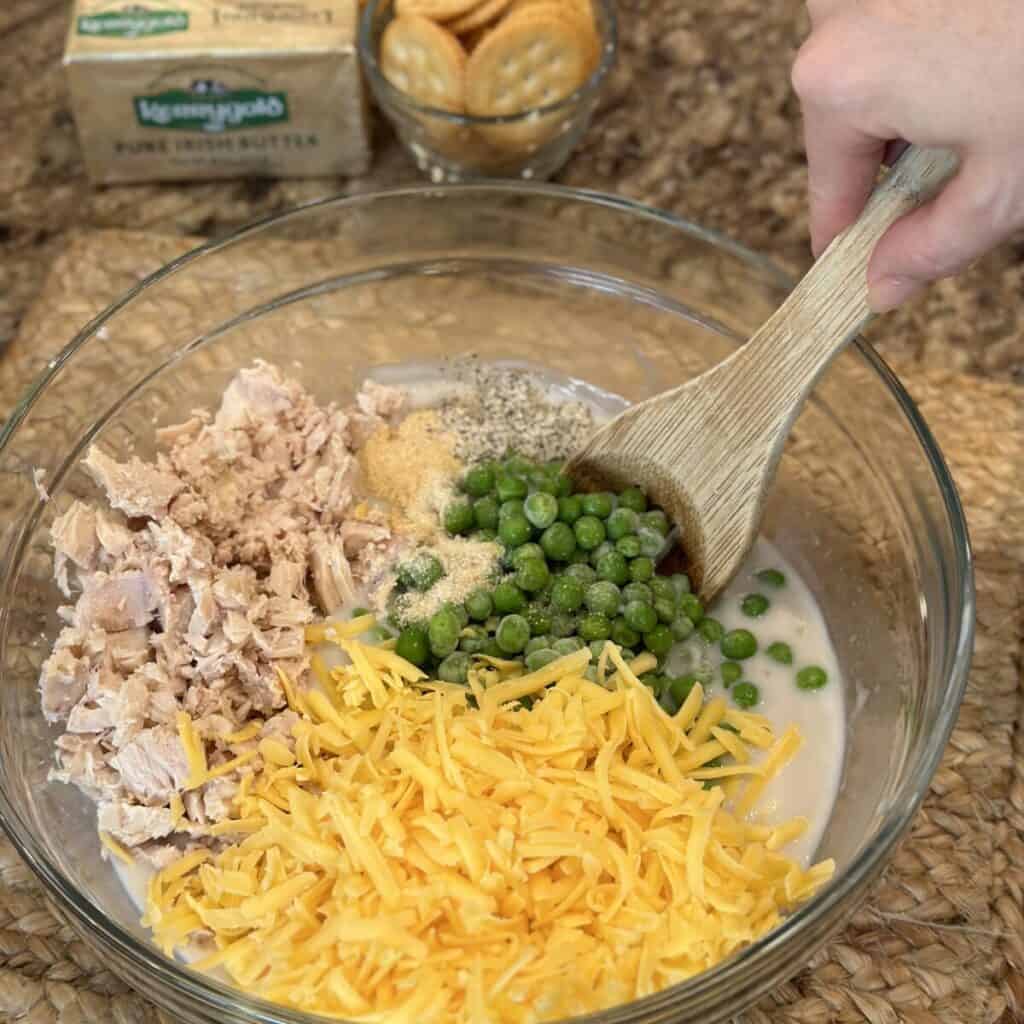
[(389, 94), (823, 911)]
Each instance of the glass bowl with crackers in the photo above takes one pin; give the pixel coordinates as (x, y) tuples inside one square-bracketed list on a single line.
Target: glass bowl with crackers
[(488, 88)]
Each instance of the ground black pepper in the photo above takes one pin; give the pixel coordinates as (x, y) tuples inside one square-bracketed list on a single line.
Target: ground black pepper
[(502, 409)]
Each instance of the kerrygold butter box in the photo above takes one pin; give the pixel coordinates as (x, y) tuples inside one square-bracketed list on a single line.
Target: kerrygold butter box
[(187, 89)]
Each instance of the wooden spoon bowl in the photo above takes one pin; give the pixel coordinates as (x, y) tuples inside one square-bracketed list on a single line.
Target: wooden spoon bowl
[(707, 451)]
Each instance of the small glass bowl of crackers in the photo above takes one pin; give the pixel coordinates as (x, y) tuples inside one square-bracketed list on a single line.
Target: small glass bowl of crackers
[(488, 88)]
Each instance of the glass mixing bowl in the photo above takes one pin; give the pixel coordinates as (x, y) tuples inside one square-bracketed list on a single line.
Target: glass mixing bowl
[(629, 299)]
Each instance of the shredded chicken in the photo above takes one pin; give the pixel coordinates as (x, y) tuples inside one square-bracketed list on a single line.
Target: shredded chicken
[(194, 587)]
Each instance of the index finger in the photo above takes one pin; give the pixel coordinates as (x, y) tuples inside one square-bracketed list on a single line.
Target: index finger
[(842, 165)]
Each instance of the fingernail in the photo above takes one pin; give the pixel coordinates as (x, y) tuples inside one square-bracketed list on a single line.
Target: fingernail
[(889, 292)]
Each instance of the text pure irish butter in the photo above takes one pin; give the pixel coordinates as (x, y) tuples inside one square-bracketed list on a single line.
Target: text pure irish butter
[(188, 89)]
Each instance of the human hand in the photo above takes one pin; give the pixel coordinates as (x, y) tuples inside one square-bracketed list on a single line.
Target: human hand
[(944, 73)]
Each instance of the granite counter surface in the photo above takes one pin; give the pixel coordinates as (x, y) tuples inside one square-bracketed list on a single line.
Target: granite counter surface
[(699, 119)]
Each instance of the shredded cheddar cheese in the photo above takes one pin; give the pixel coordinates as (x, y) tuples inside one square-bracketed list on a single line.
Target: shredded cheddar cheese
[(116, 848), (445, 853)]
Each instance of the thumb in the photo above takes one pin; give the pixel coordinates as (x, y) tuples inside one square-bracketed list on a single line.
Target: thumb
[(972, 214)]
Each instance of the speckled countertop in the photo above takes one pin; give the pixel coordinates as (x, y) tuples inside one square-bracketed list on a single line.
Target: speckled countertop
[(699, 119)]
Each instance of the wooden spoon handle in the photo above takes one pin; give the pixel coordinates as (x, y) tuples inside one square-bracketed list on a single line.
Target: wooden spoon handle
[(829, 306)]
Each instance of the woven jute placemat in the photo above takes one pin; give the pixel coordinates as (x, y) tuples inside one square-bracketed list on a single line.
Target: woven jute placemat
[(941, 937)]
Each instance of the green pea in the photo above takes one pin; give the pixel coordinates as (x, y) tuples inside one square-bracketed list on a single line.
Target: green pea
[(603, 597), (653, 681), (755, 605), (461, 614), (566, 594), (604, 548), (739, 644), (662, 588), (532, 575), (612, 566), (651, 542), (413, 645), (711, 630), (514, 530), (539, 619), (681, 627), (443, 632), (681, 687), (508, 598), (637, 592), (623, 634), (691, 607), (656, 520), (745, 695), (515, 557), (599, 505), (780, 652), (680, 584), (586, 574), (510, 507), (665, 609), (595, 626), (567, 645), (512, 634), (478, 481), (541, 509), (628, 547), (558, 542), (458, 518), (479, 605), (538, 659), (536, 643), (570, 508), (518, 464), (562, 625), (492, 650), (731, 672), (621, 523), (634, 499), (508, 486), (579, 557), (640, 615), (486, 536), (641, 569), (421, 572), (772, 577), (358, 612), (473, 639), (454, 668), (543, 482), (589, 532), (627, 653), (596, 650), (485, 512), (813, 677), (659, 640)]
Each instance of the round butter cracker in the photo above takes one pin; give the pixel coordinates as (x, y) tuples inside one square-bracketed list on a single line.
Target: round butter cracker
[(436, 10), (579, 12), (479, 17), (425, 62), (532, 59)]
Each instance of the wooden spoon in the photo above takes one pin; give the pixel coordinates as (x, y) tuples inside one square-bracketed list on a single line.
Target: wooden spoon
[(707, 451)]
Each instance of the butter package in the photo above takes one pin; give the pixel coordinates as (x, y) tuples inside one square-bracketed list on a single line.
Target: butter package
[(193, 89)]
